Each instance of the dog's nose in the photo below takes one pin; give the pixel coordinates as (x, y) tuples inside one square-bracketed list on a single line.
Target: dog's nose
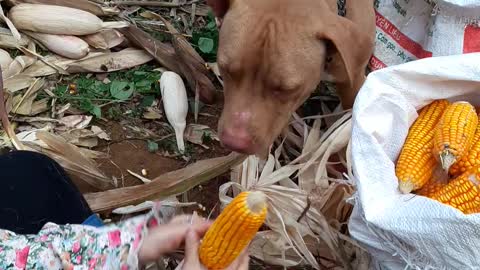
[(237, 140), (235, 135)]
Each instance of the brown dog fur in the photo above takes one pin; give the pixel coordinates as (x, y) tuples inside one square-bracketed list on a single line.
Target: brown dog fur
[(272, 55)]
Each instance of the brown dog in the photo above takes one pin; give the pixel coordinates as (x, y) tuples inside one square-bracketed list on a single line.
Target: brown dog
[(272, 55)]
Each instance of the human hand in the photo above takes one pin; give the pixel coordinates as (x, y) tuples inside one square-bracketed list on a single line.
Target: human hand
[(168, 237), (192, 261)]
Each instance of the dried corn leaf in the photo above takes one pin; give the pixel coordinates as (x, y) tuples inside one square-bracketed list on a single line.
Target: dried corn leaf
[(8, 41), (20, 63), (16, 35), (194, 64), (109, 62), (100, 133), (169, 184), (332, 201), (80, 137), (196, 134), (304, 225), (74, 161), (76, 121), (216, 70), (305, 178), (7, 126), (91, 154), (86, 5), (18, 82), (22, 104), (265, 247), (152, 113), (32, 53), (39, 106), (47, 65), (105, 39)]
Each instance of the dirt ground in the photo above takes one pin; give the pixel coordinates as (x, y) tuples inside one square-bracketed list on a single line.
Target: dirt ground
[(128, 152)]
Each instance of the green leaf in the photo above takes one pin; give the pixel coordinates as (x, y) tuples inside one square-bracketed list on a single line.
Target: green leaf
[(211, 25), (152, 146), (97, 111), (206, 45), (139, 73), (147, 101), (117, 90)]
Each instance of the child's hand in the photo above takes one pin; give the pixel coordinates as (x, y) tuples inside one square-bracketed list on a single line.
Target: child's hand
[(168, 237), (192, 261)]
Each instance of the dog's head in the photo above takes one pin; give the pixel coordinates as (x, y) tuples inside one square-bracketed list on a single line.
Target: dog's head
[(271, 57)]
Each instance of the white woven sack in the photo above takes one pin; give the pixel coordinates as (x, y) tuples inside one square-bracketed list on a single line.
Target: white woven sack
[(409, 230), (414, 29)]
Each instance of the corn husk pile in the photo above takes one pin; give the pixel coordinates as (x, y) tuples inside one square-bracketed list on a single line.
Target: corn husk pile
[(306, 221)]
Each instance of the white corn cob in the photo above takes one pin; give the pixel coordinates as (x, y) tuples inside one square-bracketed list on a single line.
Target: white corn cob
[(58, 20), (175, 104), (67, 46)]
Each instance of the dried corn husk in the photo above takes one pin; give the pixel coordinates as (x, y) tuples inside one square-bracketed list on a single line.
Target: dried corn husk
[(5, 59), (175, 104), (108, 62), (41, 68), (18, 82), (11, 27), (18, 65), (22, 104), (58, 20), (80, 4), (304, 220), (67, 46), (105, 39), (74, 160), (8, 41)]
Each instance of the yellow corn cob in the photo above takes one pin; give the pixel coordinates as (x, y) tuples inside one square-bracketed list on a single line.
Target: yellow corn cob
[(472, 158), (416, 162), (462, 192), (232, 231), (431, 188), (454, 133), (439, 179)]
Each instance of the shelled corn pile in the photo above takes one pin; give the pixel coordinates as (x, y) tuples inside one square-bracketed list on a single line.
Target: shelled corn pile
[(441, 156)]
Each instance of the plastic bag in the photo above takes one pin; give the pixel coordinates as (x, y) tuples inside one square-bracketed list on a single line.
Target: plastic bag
[(408, 230), (414, 29)]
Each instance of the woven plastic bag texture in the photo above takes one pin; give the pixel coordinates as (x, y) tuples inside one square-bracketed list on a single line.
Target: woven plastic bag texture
[(408, 230)]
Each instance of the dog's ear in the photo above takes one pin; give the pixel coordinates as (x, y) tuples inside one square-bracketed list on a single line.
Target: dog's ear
[(352, 47), (219, 7)]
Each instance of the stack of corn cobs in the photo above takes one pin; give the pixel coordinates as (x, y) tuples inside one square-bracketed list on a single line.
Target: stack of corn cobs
[(66, 31), (441, 156)]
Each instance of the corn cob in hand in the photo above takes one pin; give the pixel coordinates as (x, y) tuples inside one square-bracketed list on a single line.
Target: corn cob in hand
[(233, 230), (416, 162)]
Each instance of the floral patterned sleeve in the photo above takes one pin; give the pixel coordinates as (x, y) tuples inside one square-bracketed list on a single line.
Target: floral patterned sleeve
[(75, 247)]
